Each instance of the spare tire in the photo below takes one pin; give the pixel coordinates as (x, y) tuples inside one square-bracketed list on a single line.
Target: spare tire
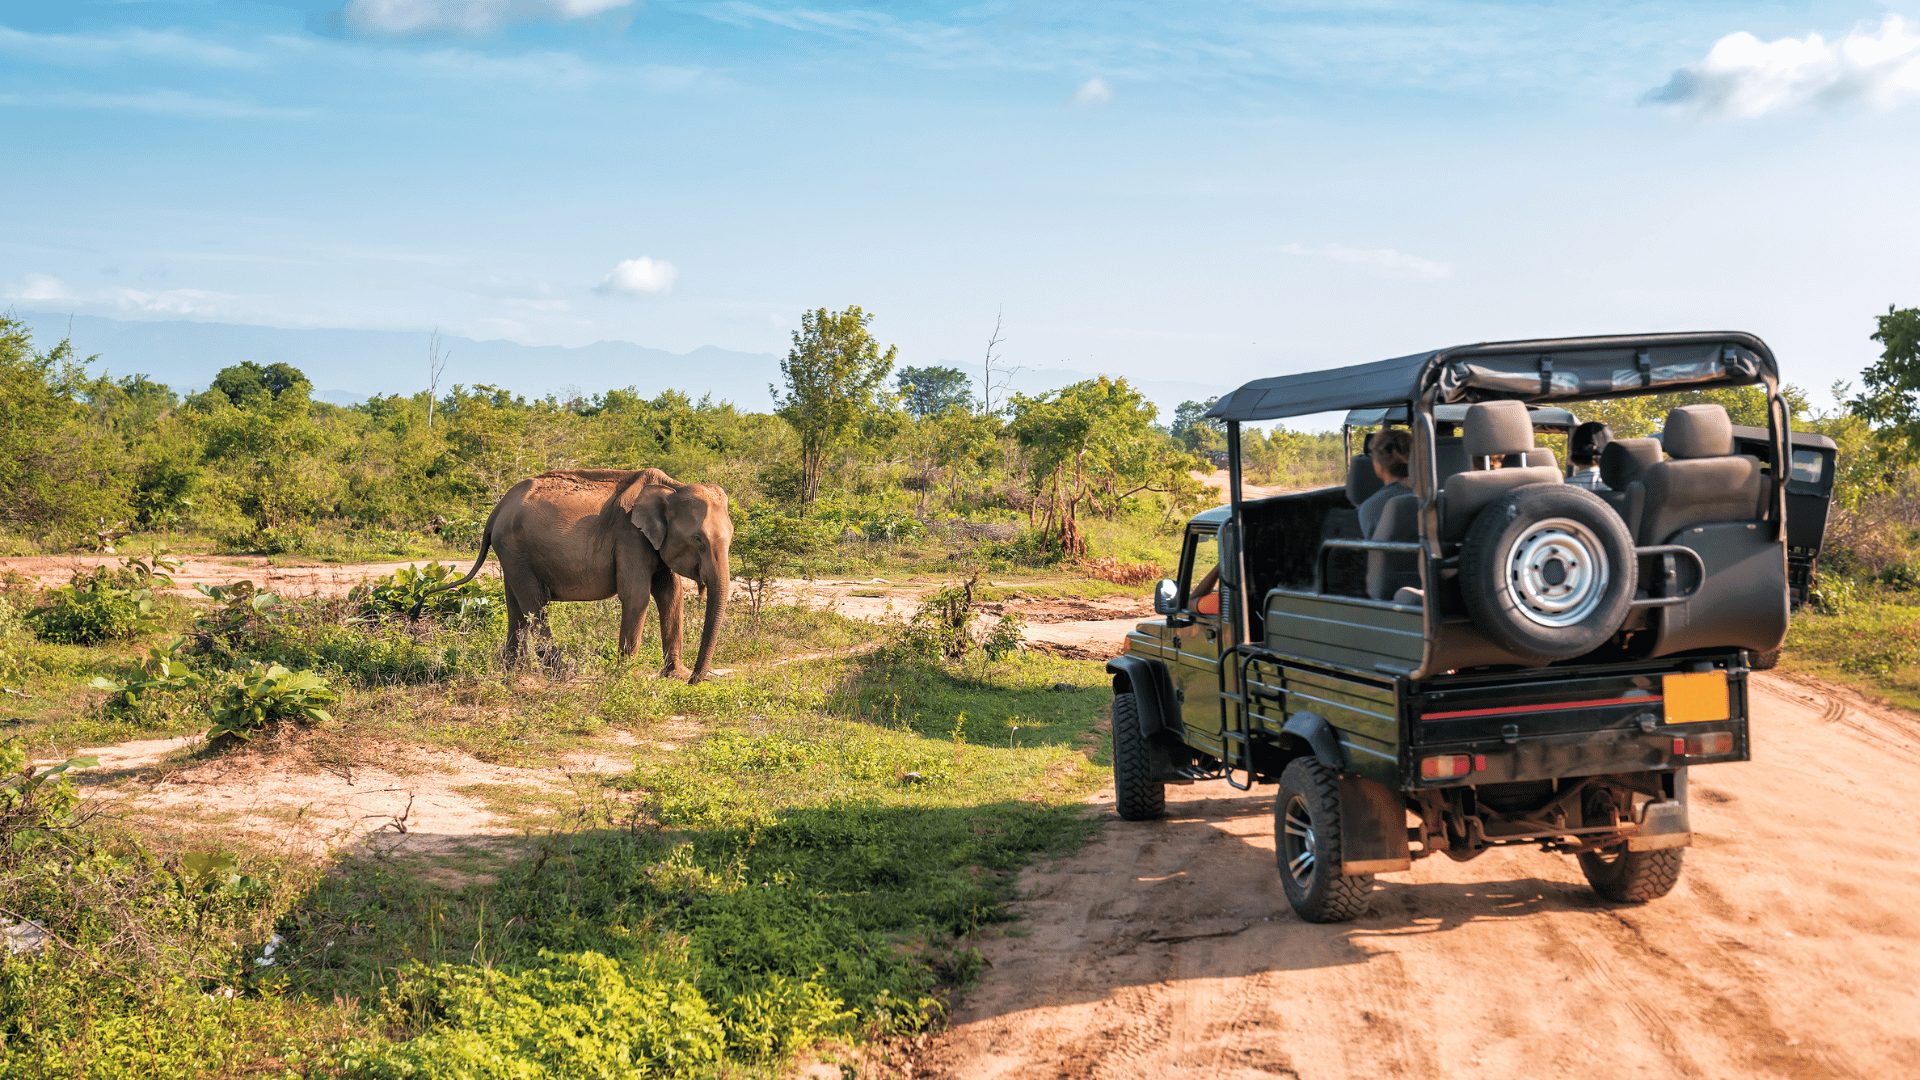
[(1548, 572)]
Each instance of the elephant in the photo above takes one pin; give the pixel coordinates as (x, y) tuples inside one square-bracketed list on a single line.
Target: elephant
[(590, 534)]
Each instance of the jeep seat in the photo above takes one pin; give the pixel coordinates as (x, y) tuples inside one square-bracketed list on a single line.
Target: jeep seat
[(1703, 481), (1710, 499), (1491, 428), (1621, 465), (1362, 481)]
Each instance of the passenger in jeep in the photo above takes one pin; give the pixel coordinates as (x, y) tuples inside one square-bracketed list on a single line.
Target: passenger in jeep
[(1390, 449), (1584, 448)]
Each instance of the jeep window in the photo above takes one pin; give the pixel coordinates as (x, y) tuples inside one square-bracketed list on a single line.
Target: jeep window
[(1197, 565), (1809, 466)]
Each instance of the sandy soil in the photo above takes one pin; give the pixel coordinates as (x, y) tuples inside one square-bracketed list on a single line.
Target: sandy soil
[(269, 574), (1789, 949)]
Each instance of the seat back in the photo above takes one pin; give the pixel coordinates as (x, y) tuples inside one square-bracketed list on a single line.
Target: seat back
[(1703, 482), (1491, 428), (1390, 571), (1362, 481), (1450, 458), (1621, 464)]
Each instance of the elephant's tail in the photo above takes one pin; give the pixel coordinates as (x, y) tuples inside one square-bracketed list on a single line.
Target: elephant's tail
[(486, 541)]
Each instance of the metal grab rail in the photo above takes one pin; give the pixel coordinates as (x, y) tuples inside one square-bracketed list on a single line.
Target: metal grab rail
[(1405, 547), (1668, 551)]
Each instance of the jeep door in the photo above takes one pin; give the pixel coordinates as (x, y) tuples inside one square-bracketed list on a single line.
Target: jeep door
[(1199, 639)]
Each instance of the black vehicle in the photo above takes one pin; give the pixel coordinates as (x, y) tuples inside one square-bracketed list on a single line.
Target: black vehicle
[(1809, 494), (1507, 658)]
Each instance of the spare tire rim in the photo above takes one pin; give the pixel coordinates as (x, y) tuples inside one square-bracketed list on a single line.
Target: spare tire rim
[(1557, 572)]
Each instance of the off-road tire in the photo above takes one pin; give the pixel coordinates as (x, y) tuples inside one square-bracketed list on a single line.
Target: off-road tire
[(1322, 894), (1138, 793), (1766, 661), (1632, 877), (1509, 604)]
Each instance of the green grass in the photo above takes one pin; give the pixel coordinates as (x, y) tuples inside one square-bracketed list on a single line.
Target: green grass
[(1872, 646), (794, 860)]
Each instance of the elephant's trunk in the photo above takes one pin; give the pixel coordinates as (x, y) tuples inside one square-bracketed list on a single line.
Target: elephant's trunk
[(714, 585)]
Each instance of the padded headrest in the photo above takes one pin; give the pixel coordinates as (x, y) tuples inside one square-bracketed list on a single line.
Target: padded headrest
[(1362, 481), (1624, 459), (1699, 431), (1497, 427)]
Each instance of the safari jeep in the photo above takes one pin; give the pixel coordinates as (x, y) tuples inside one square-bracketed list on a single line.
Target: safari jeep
[(1507, 658)]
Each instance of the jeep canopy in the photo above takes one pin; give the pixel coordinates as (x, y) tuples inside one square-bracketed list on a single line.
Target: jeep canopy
[(1531, 371)]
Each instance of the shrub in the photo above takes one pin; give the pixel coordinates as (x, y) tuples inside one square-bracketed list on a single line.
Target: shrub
[(267, 696), (943, 624), (151, 694), (92, 608), (243, 619), (14, 662), (36, 803), (396, 595), (1005, 638)]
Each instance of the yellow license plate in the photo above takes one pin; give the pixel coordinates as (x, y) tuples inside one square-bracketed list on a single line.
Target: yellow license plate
[(1696, 696)]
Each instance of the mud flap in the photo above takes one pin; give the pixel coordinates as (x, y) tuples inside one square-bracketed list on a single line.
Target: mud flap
[(1663, 825), (1373, 828)]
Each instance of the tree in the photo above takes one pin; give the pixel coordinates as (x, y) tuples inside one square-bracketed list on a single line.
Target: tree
[(56, 469), (994, 372), (246, 381), (436, 365), (834, 373), (1092, 444), (1192, 428), (929, 391), (1890, 398)]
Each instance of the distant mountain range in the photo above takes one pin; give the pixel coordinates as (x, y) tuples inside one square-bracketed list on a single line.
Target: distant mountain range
[(349, 366)]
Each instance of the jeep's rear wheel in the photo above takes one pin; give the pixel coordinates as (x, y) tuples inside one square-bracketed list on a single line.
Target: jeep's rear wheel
[(1307, 846), (1138, 792), (1632, 877), (1548, 572), (1620, 875)]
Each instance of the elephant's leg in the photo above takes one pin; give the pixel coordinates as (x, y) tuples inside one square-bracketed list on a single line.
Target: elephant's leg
[(633, 621), (516, 630), (530, 594), (668, 597)]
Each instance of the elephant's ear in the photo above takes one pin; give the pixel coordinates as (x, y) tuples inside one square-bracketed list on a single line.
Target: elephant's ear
[(649, 514)]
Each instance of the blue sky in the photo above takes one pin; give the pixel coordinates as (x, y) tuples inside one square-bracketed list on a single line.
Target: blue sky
[(1197, 191)]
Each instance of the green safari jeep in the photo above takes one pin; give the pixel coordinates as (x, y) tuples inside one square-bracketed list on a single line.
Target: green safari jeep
[(1500, 656)]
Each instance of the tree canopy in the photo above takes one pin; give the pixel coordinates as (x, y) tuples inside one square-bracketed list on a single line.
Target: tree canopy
[(834, 374)]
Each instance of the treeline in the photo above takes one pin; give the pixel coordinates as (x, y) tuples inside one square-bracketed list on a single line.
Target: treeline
[(857, 441)]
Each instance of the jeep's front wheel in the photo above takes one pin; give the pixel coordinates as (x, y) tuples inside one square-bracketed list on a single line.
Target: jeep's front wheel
[(1307, 846), (1138, 792)]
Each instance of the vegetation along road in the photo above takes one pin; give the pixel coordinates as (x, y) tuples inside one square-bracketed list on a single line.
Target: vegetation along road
[(1166, 947)]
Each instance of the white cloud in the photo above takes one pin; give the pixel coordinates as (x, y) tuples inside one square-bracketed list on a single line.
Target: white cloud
[(1743, 76), (164, 45), (401, 17), (639, 277), (1094, 91), (1385, 261), (158, 102), (188, 303)]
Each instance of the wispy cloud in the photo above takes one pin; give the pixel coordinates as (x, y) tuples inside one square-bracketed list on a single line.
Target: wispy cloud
[(1742, 76), (397, 18), (643, 276), (1388, 262), (169, 46), (157, 102), (46, 289), (1094, 91)]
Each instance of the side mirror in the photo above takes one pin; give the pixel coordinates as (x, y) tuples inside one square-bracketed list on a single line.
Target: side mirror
[(1166, 597)]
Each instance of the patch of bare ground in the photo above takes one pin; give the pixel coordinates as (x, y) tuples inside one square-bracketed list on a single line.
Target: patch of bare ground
[(299, 794)]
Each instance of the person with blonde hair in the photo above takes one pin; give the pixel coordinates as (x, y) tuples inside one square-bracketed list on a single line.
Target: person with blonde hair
[(1392, 450)]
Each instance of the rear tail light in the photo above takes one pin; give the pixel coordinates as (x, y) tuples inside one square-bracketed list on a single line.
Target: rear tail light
[(1708, 745), (1447, 766)]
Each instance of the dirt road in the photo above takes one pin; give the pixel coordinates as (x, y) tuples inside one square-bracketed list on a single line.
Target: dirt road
[(1791, 947)]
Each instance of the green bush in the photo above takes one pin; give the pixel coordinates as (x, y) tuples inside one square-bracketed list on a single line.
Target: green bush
[(14, 634), (244, 619), (157, 691), (267, 696), (424, 587), (91, 609)]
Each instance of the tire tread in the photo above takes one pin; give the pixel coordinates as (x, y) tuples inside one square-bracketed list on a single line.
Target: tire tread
[(1137, 795)]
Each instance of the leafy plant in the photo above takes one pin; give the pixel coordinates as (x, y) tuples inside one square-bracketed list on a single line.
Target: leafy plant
[(243, 618), (1005, 638), (396, 595), (267, 696), (145, 695), (93, 607), (942, 626), (35, 801)]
